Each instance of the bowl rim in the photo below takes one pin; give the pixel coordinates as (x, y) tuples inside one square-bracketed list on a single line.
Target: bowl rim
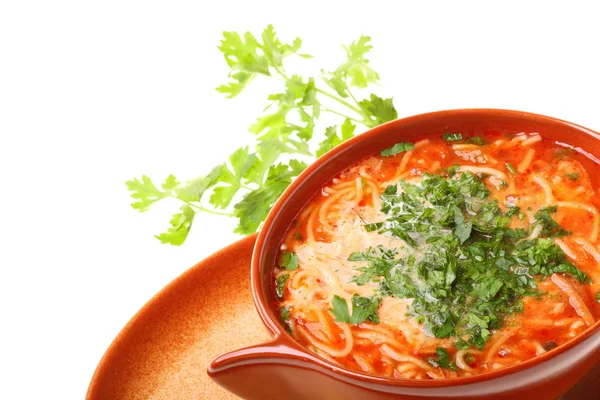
[(283, 338)]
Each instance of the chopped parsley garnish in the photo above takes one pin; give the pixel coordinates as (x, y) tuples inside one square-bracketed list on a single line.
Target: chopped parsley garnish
[(469, 359), (451, 137), (478, 140), (298, 236), (465, 269), (288, 260), (550, 345), (443, 359), (551, 228), (511, 169), (285, 313), (462, 229), (363, 309), (453, 170), (279, 284), (373, 227), (380, 259), (564, 152), (598, 297), (397, 149), (514, 210), (541, 256), (572, 177)]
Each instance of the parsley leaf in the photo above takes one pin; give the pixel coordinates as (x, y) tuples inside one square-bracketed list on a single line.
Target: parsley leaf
[(451, 137), (513, 210), (145, 192), (332, 139), (274, 50), (462, 229), (363, 309), (356, 69), (279, 284), (572, 176), (378, 110), (285, 313), (478, 140), (255, 205), (551, 227), (193, 190), (242, 55), (443, 359), (247, 57), (380, 261), (340, 309), (398, 148), (288, 260), (180, 227), (540, 256), (241, 161)]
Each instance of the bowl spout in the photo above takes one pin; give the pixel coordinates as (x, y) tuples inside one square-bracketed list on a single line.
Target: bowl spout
[(265, 371), (282, 370)]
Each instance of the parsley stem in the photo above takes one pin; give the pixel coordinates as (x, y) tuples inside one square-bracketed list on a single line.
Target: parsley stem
[(353, 98), (341, 101), (342, 115), (282, 73), (199, 208), (215, 212)]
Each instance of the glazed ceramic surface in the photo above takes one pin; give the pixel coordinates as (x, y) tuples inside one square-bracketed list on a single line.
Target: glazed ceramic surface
[(163, 352), (289, 368)]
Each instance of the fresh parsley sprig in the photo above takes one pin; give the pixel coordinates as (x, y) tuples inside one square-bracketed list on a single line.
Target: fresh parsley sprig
[(248, 184)]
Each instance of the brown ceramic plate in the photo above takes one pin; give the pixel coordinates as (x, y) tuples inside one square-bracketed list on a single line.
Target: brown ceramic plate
[(163, 352)]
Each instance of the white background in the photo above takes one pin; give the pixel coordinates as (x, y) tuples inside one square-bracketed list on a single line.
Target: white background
[(96, 93)]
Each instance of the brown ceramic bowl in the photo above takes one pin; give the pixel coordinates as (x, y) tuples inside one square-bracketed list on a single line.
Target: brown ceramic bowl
[(282, 367)]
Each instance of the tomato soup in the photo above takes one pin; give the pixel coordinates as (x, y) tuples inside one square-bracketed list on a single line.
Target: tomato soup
[(446, 256)]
